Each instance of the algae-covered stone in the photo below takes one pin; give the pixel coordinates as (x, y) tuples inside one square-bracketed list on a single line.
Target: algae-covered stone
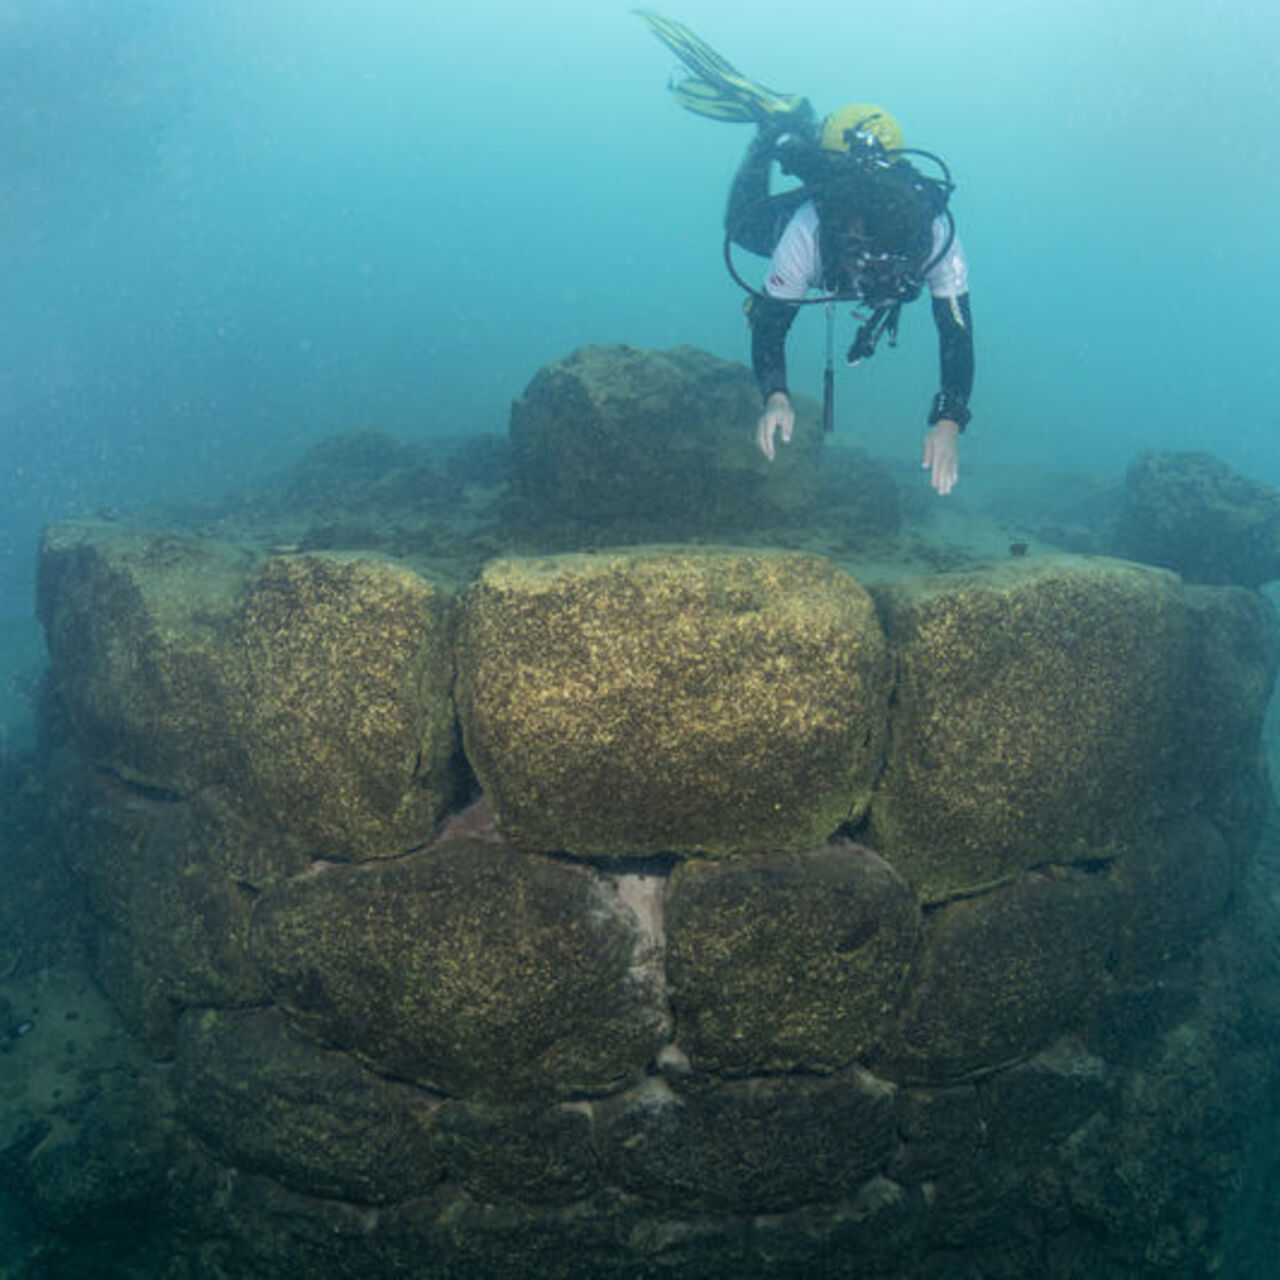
[(314, 687), (1036, 717), (190, 884), (683, 700), (187, 920), (1002, 975), (982, 1149), (1234, 641), (171, 884), (646, 445), (785, 962), (348, 722), (250, 854), (1172, 888), (1041, 1102), (267, 1102), (1191, 513), (537, 1154), (104, 825), (140, 997), (468, 968), (758, 1146), (106, 1161), (138, 626)]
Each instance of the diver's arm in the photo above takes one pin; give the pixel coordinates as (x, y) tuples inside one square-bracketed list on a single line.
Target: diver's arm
[(753, 218), (948, 281), (749, 199), (770, 322), (949, 413), (955, 360), (792, 272)]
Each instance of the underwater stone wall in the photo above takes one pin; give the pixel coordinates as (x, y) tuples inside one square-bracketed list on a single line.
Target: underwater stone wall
[(800, 929), (613, 442)]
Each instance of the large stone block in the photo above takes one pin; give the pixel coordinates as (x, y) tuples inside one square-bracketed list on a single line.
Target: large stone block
[(170, 883), (1003, 975), (671, 700), (787, 962), (267, 1102), (535, 1153), (468, 968), (754, 1146), (346, 711), (1191, 513), (185, 884), (983, 1150), (1038, 717), (316, 687), (139, 629), (1173, 888), (104, 825), (646, 445), (1234, 641), (187, 920)]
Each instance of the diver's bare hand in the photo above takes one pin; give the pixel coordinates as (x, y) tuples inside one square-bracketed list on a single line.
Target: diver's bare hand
[(778, 416), (942, 456)]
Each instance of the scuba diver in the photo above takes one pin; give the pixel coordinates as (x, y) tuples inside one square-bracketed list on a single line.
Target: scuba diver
[(864, 225)]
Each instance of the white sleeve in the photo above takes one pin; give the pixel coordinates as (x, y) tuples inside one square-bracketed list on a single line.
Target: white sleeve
[(796, 266), (949, 277)]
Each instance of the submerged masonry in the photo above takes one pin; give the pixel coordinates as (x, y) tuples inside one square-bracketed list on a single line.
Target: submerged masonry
[(672, 911)]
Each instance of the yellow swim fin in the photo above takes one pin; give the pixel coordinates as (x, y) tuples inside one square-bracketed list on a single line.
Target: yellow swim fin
[(715, 88)]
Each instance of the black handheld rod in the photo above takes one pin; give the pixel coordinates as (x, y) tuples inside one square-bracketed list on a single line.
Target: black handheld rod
[(829, 374)]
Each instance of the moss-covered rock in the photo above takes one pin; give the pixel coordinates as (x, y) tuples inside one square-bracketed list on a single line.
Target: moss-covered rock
[(170, 884), (757, 1146), (105, 825), (316, 687), (140, 997), (467, 968), (139, 631), (266, 1102), (192, 884), (1233, 645), (671, 700), (786, 962), (641, 446), (1191, 513), (536, 1154), (990, 1151), (187, 921), (1043, 1101), (346, 711), (1038, 717), (1002, 975), (861, 503), (1172, 889)]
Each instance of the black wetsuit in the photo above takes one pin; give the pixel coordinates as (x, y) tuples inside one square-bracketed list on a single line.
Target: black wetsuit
[(761, 223)]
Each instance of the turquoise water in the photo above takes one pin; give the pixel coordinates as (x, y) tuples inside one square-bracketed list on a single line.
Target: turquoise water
[(232, 228), (229, 229)]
